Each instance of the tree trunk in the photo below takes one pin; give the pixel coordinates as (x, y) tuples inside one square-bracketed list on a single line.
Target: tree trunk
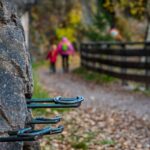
[(148, 19), (147, 39)]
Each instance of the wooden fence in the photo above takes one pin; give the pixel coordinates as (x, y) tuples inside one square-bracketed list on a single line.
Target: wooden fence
[(124, 60)]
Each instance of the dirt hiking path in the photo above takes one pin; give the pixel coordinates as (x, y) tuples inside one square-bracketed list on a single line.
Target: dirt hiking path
[(96, 96)]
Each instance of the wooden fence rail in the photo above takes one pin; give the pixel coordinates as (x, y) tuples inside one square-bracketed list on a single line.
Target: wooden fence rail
[(124, 60)]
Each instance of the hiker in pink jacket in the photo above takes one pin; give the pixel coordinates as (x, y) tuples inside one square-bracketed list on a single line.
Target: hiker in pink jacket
[(65, 49)]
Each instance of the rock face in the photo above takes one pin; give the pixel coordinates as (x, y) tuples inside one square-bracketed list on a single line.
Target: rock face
[(23, 5), (15, 71)]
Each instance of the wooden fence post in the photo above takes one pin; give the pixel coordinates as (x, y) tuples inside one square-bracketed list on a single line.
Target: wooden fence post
[(124, 58), (109, 57), (147, 61)]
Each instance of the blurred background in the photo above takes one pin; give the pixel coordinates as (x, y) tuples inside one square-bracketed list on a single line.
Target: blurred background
[(82, 20)]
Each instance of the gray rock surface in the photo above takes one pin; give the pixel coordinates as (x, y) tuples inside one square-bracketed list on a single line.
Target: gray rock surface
[(15, 71), (23, 5)]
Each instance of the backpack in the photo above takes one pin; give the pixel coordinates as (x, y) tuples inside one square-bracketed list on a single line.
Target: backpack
[(65, 47)]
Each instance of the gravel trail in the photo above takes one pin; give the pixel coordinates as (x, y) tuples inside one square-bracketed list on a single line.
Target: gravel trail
[(96, 96)]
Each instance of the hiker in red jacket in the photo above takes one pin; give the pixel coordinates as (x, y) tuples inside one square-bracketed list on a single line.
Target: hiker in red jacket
[(52, 57)]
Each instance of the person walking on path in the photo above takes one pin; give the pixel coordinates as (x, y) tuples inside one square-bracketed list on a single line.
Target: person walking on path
[(65, 48), (52, 57), (115, 34)]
